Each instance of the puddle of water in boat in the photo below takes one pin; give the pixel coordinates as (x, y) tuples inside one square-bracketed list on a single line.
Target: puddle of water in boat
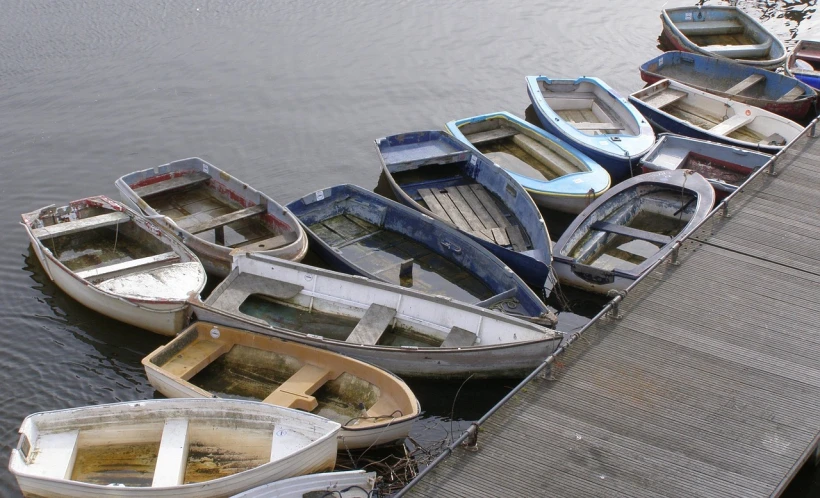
[(97, 247), (216, 451), (324, 324), (713, 170), (131, 464)]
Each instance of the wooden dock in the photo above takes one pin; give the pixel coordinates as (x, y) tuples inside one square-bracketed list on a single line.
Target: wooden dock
[(707, 385)]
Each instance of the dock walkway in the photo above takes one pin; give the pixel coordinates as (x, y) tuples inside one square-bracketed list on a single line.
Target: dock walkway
[(708, 385)]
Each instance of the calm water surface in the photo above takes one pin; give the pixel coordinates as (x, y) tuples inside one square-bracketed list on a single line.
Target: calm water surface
[(286, 95)]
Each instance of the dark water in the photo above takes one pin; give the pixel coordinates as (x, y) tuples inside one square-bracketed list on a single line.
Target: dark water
[(286, 95)]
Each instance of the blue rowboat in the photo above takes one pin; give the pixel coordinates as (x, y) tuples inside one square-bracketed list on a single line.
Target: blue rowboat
[(722, 31), (625, 231), (557, 175), (436, 174), (592, 117), (751, 85), (803, 62), (681, 109), (362, 233), (724, 166)]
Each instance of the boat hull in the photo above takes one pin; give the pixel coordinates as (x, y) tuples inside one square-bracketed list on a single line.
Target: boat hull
[(764, 50), (582, 259), (533, 265), (349, 484), (803, 61), (511, 346), (618, 153), (316, 457), (716, 76), (216, 257), (165, 316), (570, 192)]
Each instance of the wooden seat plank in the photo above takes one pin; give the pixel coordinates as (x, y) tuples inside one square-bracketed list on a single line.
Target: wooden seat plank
[(478, 208), (118, 269), (747, 83), (452, 211), (265, 244), (459, 338), (731, 124), (223, 220), (191, 360), (517, 240), (372, 325), (792, 94), (485, 234), (174, 183), (297, 391), (631, 232), (173, 454), (483, 137), (489, 204), (664, 98), (587, 126), (81, 225), (432, 204), (500, 236), (703, 28), (56, 456)]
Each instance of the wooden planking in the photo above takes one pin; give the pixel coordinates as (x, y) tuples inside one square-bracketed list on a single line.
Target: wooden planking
[(465, 209), (469, 196), (489, 204), (372, 325), (132, 266), (296, 392), (664, 98), (483, 137), (452, 211), (516, 238), (792, 94), (433, 204), (80, 225), (587, 126), (746, 83), (459, 338), (225, 219), (177, 182), (631, 232), (709, 385)]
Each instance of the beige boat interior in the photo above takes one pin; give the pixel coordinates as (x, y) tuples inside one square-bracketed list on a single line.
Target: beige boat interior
[(585, 107), (725, 37), (99, 244), (519, 150), (210, 211), (158, 453), (217, 360), (708, 114)]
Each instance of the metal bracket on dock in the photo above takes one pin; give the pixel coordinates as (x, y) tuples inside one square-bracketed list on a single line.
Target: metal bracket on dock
[(471, 443), (772, 163), (617, 296), (675, 254), (813, 130), (726, 213)]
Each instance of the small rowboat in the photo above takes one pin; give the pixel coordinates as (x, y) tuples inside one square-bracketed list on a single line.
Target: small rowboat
[(407, 332), (116, 262), (625, 231), (362, 233), (681, 109), (591, 116), (803, 62), (436, 174), (195, 448), (348, 484), (722, 31), (555, 174), (751, 85), (213, 213), (724, 166), (205, 360)]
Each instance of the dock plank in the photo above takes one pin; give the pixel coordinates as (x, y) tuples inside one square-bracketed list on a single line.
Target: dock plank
[(707, 386)]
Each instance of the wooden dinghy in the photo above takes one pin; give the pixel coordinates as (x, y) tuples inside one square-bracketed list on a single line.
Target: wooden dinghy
[(619, 236), (751, 85), (205, 360), (724, 166), (193, 448), (803, 62), (116, 262), (722, 31), (681, 109), (555, 174), (362, 233), (213, 213), (407, 332), (348, 484), (594, 118), (436, 174)]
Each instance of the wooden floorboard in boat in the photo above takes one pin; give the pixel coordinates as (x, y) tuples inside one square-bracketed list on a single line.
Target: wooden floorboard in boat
[(708, 386)]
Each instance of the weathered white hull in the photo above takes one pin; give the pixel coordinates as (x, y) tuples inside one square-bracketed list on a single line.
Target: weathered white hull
[(129, 303), (506, 346), (349, 484), (316, 453)]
